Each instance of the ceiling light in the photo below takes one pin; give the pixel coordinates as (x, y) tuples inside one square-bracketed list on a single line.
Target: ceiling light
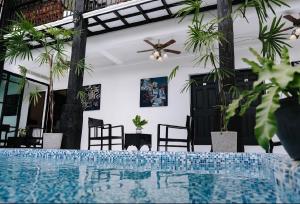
[(160, 59), (156, 54), (297, 32), (165, 55), (152, 57), (293, 37)]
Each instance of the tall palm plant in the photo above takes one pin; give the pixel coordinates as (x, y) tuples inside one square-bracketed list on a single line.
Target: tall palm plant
[(204, 38), (53, 55)]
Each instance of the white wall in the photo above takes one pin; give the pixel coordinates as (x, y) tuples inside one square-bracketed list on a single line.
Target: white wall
[(119, 69), (120, 95)]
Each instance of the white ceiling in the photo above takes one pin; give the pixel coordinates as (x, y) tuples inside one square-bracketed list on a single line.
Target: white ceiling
[(123, 45), (120, 48)]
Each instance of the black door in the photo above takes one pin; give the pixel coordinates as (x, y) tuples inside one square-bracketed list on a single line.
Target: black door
[(206, 115), (204, 109)]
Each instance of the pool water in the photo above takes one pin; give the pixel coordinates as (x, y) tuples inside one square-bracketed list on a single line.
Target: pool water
[(122, 177)]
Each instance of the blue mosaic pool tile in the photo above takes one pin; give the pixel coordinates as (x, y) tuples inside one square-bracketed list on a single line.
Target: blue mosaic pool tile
[(258, 167)]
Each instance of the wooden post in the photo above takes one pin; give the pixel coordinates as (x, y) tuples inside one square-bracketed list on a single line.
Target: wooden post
[(72, 115), (3, 22), (226, 47)]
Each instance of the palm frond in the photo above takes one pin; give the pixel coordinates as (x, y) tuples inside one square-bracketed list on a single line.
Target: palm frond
[(262, 7), (190, 7), (173, 73), (272, 38)]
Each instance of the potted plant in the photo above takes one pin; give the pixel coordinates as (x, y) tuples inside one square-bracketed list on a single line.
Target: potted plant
[(52, 54), (279, 109), (206, 37), (139, 123)]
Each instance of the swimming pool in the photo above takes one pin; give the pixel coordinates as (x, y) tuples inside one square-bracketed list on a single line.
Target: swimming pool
[(113, 177)]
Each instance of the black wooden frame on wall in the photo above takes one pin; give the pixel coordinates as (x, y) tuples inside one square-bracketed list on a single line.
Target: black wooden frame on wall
[(93, 101)]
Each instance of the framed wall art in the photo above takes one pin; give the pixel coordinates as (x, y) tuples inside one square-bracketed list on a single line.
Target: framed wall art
[(93, 101), (154, 92)]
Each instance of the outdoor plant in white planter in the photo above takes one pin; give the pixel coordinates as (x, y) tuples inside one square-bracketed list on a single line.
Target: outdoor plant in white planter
[(279, 109), (139, 123), (205, 37), (52, 54)]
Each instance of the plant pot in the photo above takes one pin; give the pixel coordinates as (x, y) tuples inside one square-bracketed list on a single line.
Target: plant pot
[(288, 126), (52, 140), (224, 141), (139, 130)]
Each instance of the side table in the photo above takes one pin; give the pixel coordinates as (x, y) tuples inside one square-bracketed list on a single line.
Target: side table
[(138, 140)]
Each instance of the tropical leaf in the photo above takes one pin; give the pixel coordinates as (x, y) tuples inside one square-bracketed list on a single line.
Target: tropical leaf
[(190, 7), (232, 109), (83, 97), (23, 81), (173, 73), (272, 38), (35, 96), (188, 84), (262, 7), (266, 125), (81, 67)]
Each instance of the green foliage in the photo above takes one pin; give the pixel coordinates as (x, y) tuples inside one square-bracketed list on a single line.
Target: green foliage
[(202, 40), (190, 7), (265, 126), (23, 72), (34, 96), (262, 7), (273, 80), (138, 122), (83, 97), (272, 38), (173, 73), (188, 84), (82, 66), (52, 54)]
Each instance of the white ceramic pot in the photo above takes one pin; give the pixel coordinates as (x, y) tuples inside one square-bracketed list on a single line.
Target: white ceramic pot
[(224, 141), (52, 140)]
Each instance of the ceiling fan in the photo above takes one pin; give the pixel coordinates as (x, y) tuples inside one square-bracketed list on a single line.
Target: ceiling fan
[(296, 26), (159, 50)]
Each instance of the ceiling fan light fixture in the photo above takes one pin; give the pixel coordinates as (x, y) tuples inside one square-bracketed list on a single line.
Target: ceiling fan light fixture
[(160, 59), (152, 57), (156, 54), (297, 32), (166, 56), (293, 37)]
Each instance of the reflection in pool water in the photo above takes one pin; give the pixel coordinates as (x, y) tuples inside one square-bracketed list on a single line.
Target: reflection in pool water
[(58, 180)]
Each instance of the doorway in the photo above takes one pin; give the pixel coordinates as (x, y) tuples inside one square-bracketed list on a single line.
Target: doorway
[(204, 102)]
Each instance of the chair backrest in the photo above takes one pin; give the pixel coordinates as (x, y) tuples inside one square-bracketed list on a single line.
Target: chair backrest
[(35, 132), (188, 123), (95, 122)]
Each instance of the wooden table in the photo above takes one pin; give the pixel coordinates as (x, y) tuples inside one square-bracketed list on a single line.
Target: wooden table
[(138, 140), (17, 142)]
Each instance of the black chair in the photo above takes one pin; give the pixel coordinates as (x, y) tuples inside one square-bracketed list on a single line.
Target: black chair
[(4, 129), (95, 125), (35, 136), (188, 140), (272, 145)]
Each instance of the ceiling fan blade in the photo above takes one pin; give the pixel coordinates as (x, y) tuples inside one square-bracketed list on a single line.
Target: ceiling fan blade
[(168, 44), (286, 29), (172, 51), (145, 51), (150, 43), (290, 18)]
